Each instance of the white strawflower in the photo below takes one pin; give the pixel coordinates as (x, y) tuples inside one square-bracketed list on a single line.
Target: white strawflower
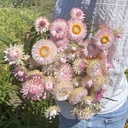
[(14, 54), (52, 111)]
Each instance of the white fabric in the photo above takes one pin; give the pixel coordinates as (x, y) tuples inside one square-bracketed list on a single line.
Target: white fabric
[(115, 14)]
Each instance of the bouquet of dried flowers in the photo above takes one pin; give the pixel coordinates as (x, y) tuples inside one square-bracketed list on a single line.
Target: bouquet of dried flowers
[(60, 60)]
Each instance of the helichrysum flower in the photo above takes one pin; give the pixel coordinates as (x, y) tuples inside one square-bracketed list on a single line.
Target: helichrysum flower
[(44, 51), (83, 113), (77, 13), (77, 95), (94, 67), (14, 54), (52, 111), (49, 69), (98, 95), (35, 74), (20, 73), (41, 24), (77, 30), (33, 89), (64, 72), (59, 28), (100, 80), (79, 66), (90, 50), (62, 44), (88, 100), (87, 81), (49, 82), (104, 38), (76, 81), (62, 90)]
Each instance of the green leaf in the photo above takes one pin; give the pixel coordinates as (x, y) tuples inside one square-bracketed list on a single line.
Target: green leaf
[(2, 56), (5, 41), (26, 19)]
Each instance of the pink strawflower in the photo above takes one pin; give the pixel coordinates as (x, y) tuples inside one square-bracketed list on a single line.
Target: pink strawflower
[(62, 44), (49, 82), (35, 74), (14, 54), (104, 38), (99, 95), (41, 24), (88, 100), (44, 51), (87, 81), (71, 56), (64, 72), (94, 67), (62, 90), (33, 89), (20, 73), (100, 81), (77, 95), (90, 50), (77, 30), (77, 13), (79, 66), (59, 28), (83, 113), (50, 68)]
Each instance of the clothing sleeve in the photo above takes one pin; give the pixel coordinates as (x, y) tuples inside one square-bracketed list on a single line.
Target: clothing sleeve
[(63, 7)]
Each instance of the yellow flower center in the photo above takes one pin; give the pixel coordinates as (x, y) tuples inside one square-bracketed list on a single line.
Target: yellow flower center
[(44, 51), (63, 93), (105, 39), (76, 29)]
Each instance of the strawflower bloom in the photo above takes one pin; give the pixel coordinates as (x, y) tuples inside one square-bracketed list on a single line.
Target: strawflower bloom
[(62, 90), (49, 82), (14, 54), (20, 73), (64, 72), (35, 74), (79, 66), (44, 51), (99, 95), (77, 95), (52, 111), (83, 113), (88, 101), (49, 69), (90, 50), (62, 44), (100, 80), (94, 67), (77, 30), (33, 89), (104, 38), (87, 81), (41, 24), (77, 13), (59, 28)]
